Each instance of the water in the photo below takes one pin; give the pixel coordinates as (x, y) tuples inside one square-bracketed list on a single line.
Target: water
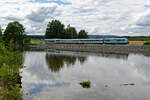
[(55, 75)]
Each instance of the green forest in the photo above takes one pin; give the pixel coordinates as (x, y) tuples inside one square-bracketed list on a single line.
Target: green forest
[(55, 29)]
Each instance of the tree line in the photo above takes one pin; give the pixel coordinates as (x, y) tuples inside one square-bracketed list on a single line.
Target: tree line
[(55, 29)]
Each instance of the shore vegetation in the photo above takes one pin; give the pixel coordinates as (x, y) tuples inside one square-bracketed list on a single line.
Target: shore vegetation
[(11, 61), (86, 84)]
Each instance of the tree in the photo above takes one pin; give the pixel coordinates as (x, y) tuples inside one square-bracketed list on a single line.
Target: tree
[(0, 31), (83, 34), (55, 29), (70, 32), (14, 31), (0, 34)]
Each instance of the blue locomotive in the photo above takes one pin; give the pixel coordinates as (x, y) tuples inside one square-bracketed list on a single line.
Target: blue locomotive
[(88, 41)]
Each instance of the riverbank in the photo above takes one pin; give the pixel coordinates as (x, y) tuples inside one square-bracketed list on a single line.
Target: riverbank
[(94, 48), (11, 61)]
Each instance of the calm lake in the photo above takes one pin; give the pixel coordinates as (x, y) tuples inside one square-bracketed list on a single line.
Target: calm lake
[(55, 75)]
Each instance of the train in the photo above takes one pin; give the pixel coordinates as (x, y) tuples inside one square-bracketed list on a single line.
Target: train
[(88, 41)]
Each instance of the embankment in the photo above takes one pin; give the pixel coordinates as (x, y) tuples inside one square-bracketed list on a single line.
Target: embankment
[(94, 48)]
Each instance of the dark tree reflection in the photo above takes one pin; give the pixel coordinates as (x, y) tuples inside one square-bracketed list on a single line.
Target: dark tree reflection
[(82, 59), (56, 62)]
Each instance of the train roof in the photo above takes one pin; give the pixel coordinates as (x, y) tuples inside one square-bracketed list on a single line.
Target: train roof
[(86, 39), (72, 39)]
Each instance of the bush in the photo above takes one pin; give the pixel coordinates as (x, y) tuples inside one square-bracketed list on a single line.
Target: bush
[(86, 84), (13, 94), (27, 41), (147, 43), (10, 63)]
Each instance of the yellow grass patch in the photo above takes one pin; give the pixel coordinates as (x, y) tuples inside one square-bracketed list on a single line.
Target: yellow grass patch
[(36, 41), (136, 42)]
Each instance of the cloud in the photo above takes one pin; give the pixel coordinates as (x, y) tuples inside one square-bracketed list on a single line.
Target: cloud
[(12, 18), (144, 20), (116, 17), (41, 14)]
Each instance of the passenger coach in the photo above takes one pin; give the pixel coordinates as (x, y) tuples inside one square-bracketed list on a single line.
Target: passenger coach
[(88, 41)]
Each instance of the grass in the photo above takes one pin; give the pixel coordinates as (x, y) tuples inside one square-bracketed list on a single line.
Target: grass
[(37, 41), (147, 43), (136, 42), (139, 38), (139, 42), (86, 84)]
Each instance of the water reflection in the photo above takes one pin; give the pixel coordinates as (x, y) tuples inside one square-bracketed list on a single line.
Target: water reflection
[(38, 87), (116, 56), (55, 62), (56, 76)]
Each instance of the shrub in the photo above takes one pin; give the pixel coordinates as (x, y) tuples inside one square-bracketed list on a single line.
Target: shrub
[(86, 84), (10, 63), (13, 93), (147, 43), (27, 41)]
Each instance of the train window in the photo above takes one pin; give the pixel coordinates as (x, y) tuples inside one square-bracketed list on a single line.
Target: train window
[(107, 40), (118, 40), (100, 40), (50, 40)]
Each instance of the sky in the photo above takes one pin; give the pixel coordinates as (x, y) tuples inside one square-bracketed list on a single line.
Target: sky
[(97, 17)]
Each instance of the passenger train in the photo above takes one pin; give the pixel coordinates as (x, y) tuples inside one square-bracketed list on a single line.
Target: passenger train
[(88, 41)]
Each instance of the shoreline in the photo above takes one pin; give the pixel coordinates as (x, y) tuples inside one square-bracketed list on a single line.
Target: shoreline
[(94, 48)]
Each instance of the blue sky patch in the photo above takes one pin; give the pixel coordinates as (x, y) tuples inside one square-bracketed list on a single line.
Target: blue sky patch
[(38, 87), (147, 6), (18, 9), (59, 2)]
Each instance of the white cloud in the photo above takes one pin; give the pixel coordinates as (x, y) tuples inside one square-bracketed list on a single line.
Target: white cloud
[(41, 14), (118, 17), (144, 20)]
